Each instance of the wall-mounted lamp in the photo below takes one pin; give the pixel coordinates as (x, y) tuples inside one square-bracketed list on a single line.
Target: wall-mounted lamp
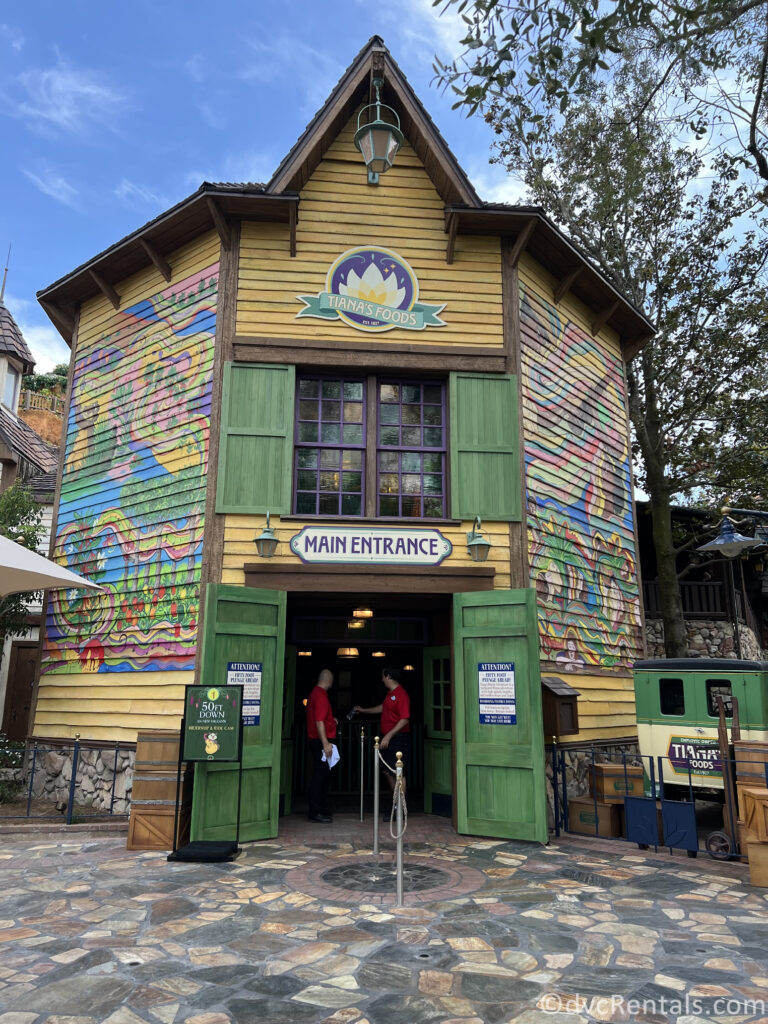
[(347, 652), (362, 613), (477, 546), (378, 135), (266, 542)]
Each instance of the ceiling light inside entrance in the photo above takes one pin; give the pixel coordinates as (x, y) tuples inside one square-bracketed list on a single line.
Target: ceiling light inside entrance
[(304, 654), (378, 654), (347, 652), (362, 613), (356, 624)]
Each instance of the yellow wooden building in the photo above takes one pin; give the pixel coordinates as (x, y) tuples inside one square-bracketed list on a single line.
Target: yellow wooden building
[(419, 395)]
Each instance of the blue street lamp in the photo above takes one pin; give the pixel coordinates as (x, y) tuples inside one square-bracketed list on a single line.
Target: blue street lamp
[(728, 543)]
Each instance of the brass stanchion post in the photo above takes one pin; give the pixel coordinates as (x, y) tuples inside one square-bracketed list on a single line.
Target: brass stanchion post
[(362, 768), (399, 819), (376, 794)]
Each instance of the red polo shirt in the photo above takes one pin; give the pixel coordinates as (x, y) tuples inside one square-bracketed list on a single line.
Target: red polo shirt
[(396, 705), (319, 710)]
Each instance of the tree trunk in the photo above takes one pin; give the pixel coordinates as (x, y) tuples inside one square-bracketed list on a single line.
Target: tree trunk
[(670, 600)]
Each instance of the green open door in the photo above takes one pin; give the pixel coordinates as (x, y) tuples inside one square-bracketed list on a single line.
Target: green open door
[(243, 624), (500, 780), (438, 701)]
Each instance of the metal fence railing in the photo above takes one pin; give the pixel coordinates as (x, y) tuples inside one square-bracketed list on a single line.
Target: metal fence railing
[(71, 782), (693, 800)]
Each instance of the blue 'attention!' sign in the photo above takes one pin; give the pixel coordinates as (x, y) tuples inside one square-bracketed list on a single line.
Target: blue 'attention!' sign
[(248, 675), (496, 692)]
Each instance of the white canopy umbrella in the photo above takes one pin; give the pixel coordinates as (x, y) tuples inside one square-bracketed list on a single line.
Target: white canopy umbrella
[(22, 570)]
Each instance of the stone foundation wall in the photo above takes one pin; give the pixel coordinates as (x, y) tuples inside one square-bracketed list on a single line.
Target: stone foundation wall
[(96, 777), (577, 768), (707, 638)]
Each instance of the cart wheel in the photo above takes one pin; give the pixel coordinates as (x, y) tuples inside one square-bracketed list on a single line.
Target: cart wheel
[(718, 845)]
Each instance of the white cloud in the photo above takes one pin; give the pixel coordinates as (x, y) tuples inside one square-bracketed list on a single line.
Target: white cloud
[(14, 37), (496, 185), (46, 344), (135, 195), (314, 71), (424, 31), (52, 184), (248, 165), (64, 97)]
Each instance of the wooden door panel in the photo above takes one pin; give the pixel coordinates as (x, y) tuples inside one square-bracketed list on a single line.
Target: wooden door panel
[(500, 781), (243, 624)]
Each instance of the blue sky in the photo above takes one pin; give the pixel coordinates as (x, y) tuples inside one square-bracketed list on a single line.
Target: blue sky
[(110, 114)]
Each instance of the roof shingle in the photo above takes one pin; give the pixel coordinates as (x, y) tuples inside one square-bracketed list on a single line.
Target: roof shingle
[(12, 340)]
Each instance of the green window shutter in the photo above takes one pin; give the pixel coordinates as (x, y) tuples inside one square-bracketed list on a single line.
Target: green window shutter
[(256, 445), (485, 447)]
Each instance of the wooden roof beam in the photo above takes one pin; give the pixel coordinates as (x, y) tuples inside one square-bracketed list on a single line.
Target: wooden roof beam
[(293, 217), (64, 320), (159, 261), (565, 283), (520, 242), (451, 227), (105, 288), (603, 317), (220, 223)]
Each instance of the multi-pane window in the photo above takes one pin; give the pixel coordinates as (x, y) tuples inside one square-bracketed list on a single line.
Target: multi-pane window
[(329, 453), (406, 445), (411, 449), (719, 688)]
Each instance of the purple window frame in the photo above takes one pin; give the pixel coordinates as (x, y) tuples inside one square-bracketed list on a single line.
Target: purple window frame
[(325, 445), (401, 449)]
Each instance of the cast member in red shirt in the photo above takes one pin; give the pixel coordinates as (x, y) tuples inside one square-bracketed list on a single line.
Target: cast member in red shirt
[(395, 711), (321, 730)]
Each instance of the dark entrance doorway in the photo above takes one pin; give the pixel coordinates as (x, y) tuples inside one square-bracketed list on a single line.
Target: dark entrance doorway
[(321, 633)]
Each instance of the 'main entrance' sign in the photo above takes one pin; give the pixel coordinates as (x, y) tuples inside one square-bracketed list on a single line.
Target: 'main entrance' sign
[(345, 544)]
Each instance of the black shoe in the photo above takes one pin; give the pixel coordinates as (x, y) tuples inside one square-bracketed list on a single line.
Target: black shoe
[(322, 818)]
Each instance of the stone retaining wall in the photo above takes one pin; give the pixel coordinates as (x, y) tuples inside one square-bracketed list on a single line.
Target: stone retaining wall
[(707, 638), (94, 781)]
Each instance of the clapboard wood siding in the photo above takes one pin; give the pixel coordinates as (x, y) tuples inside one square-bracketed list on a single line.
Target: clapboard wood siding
[(606, 707), (110, 706), (239, 548), (580, 512), (338, 211), (132, 503)]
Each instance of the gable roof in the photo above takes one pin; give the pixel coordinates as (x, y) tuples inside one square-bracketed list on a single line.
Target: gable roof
[(12, 340), (23, 441), (354, 89), (465, 213)]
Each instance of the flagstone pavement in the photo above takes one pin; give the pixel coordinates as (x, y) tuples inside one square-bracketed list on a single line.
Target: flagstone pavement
[(304, 929)]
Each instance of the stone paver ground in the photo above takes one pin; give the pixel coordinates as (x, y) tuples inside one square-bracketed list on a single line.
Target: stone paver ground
[(579, 930)]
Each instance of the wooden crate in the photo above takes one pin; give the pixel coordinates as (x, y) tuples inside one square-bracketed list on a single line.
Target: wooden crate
[(612, 782), (756, 811), (758, 863), (582, 815), (157, 750), (750, 758), (150, 827)]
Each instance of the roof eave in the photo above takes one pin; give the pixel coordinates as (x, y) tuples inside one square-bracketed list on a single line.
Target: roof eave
[(591, 286), (187, 220)]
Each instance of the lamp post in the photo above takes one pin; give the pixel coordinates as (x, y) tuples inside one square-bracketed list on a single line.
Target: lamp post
[(729, 544)]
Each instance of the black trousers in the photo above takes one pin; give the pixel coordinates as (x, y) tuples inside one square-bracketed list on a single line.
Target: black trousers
[(321, 778)]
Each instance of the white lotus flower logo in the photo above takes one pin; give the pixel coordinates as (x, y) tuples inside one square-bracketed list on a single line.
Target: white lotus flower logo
[(373, 286)]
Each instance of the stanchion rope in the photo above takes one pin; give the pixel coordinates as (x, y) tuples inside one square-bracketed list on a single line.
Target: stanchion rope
[(397, 794)]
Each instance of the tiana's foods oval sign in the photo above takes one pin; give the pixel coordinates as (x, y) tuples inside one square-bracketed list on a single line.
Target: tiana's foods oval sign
[(372, 290)]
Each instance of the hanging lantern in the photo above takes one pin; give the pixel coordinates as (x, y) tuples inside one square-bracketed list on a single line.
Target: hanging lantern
[(378, 135), (266, 542)]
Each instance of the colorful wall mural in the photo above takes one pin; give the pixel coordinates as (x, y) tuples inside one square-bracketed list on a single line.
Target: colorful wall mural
[(132, 500), (581, 535)]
